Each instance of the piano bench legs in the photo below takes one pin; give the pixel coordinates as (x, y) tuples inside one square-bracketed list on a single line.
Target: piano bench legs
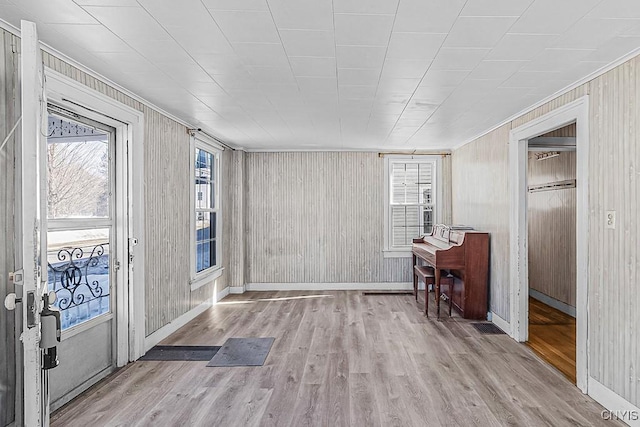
[(428, 276)]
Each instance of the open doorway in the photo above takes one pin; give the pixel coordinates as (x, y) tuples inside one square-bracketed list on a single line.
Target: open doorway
[(519, 141), (551, 235)]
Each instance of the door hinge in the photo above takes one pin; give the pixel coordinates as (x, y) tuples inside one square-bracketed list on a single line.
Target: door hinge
[(116, 265)]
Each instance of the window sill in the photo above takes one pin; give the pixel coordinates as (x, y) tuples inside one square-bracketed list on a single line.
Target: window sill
[(204, 278), (397, 253)]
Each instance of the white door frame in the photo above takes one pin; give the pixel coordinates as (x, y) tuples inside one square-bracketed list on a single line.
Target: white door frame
[(578, 112), (129, 124)]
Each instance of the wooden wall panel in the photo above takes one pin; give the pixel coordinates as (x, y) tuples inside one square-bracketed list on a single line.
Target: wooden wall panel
[(9, 113), (317, 218), (481, 200), (167, 187), (614, 259), (552, 228)]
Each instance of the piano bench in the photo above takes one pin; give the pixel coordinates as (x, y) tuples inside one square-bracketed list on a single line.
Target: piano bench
[(427, 275)]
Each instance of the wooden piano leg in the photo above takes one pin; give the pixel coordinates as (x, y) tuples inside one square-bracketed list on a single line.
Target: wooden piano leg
[(415, 279), (437, 291), (426, 297)]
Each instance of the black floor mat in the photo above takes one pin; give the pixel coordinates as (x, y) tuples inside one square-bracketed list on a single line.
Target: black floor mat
[(243, 352), (487, 328), (181, 352)]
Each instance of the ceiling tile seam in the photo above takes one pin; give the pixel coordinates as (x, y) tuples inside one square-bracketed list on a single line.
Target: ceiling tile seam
[(603, 70), (335, 52), (422, 79), (384, 59), (470, 71), (230, 123), (290, 68), (103, 79), (213, 131)]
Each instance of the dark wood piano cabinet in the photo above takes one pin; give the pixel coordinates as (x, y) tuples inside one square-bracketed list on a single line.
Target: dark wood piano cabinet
[(465, 254)]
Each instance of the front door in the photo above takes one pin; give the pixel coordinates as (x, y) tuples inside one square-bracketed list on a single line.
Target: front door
[(81, 249)]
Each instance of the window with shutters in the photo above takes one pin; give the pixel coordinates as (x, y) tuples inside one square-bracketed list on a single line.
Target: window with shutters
[(411, 200)]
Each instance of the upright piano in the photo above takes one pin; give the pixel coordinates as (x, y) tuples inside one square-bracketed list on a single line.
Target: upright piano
[(465, 254)]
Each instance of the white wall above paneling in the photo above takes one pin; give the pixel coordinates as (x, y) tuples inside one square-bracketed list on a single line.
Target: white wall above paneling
[(355, 60)]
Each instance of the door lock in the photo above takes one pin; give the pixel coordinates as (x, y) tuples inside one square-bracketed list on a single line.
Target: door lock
[(14, 298)]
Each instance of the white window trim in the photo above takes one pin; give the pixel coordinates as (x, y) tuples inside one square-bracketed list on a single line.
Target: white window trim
[(199, 279), (391, 252)]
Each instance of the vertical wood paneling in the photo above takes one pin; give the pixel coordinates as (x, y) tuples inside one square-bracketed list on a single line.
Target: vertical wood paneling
[(9, 113), (481, 199), (552, 264), (317, 218), (167, 188), (447, 215), (614, 130)]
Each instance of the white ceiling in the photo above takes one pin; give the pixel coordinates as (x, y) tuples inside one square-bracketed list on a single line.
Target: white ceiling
[(341, 74)]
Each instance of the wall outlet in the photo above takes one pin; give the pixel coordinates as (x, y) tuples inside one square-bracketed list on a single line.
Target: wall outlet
[(610, 219)]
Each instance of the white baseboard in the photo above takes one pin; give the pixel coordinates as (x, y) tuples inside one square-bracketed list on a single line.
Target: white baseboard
[(223, 293), (617, 407), (176, 324), (500, 323), (236, 289), (552, 302), (384, 286)]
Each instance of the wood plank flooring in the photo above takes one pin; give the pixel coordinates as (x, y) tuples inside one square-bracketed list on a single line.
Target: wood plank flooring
[(552, 335), (339, 359)]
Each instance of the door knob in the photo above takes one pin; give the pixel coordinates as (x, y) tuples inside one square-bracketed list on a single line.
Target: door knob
[(10, 301)]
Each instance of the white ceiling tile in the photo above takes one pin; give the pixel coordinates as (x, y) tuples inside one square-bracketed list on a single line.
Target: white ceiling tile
[(236, 5), (444, 78), (383, 7), (317, 84), (521, 46), (490, 69), (478, 31), (280, 75), (530, 79), (357, 91), (458, 58), (495, 7), (219, 63), (247, 26), (202, 35), (358, 76), (399, 86), (136, 63), (616, 9), (304, 66), (552, 16), (422, 16), (615, 49), (121, 3), (589, 33), (261, 54), (308, 42), (363, 30), (302, 14), (130, 23), (433, 94), (55, 12), (414, 46), (94, 37), (360, 56), (555, 59), (404, 69)]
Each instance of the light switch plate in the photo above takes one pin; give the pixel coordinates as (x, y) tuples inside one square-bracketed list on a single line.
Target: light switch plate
[(610, 219)]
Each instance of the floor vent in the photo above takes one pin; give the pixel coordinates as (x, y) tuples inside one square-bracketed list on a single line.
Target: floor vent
[(181, 352), (487, 328), (387, 293)]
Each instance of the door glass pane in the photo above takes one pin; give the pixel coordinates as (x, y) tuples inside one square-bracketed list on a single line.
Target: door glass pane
[(78, 170), (78, 263)]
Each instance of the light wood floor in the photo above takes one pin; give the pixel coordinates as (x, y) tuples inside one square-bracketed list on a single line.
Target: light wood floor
[(552, 335), (339, 358)]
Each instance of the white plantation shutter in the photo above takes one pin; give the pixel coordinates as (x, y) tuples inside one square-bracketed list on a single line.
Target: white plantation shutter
[(411, 200)]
